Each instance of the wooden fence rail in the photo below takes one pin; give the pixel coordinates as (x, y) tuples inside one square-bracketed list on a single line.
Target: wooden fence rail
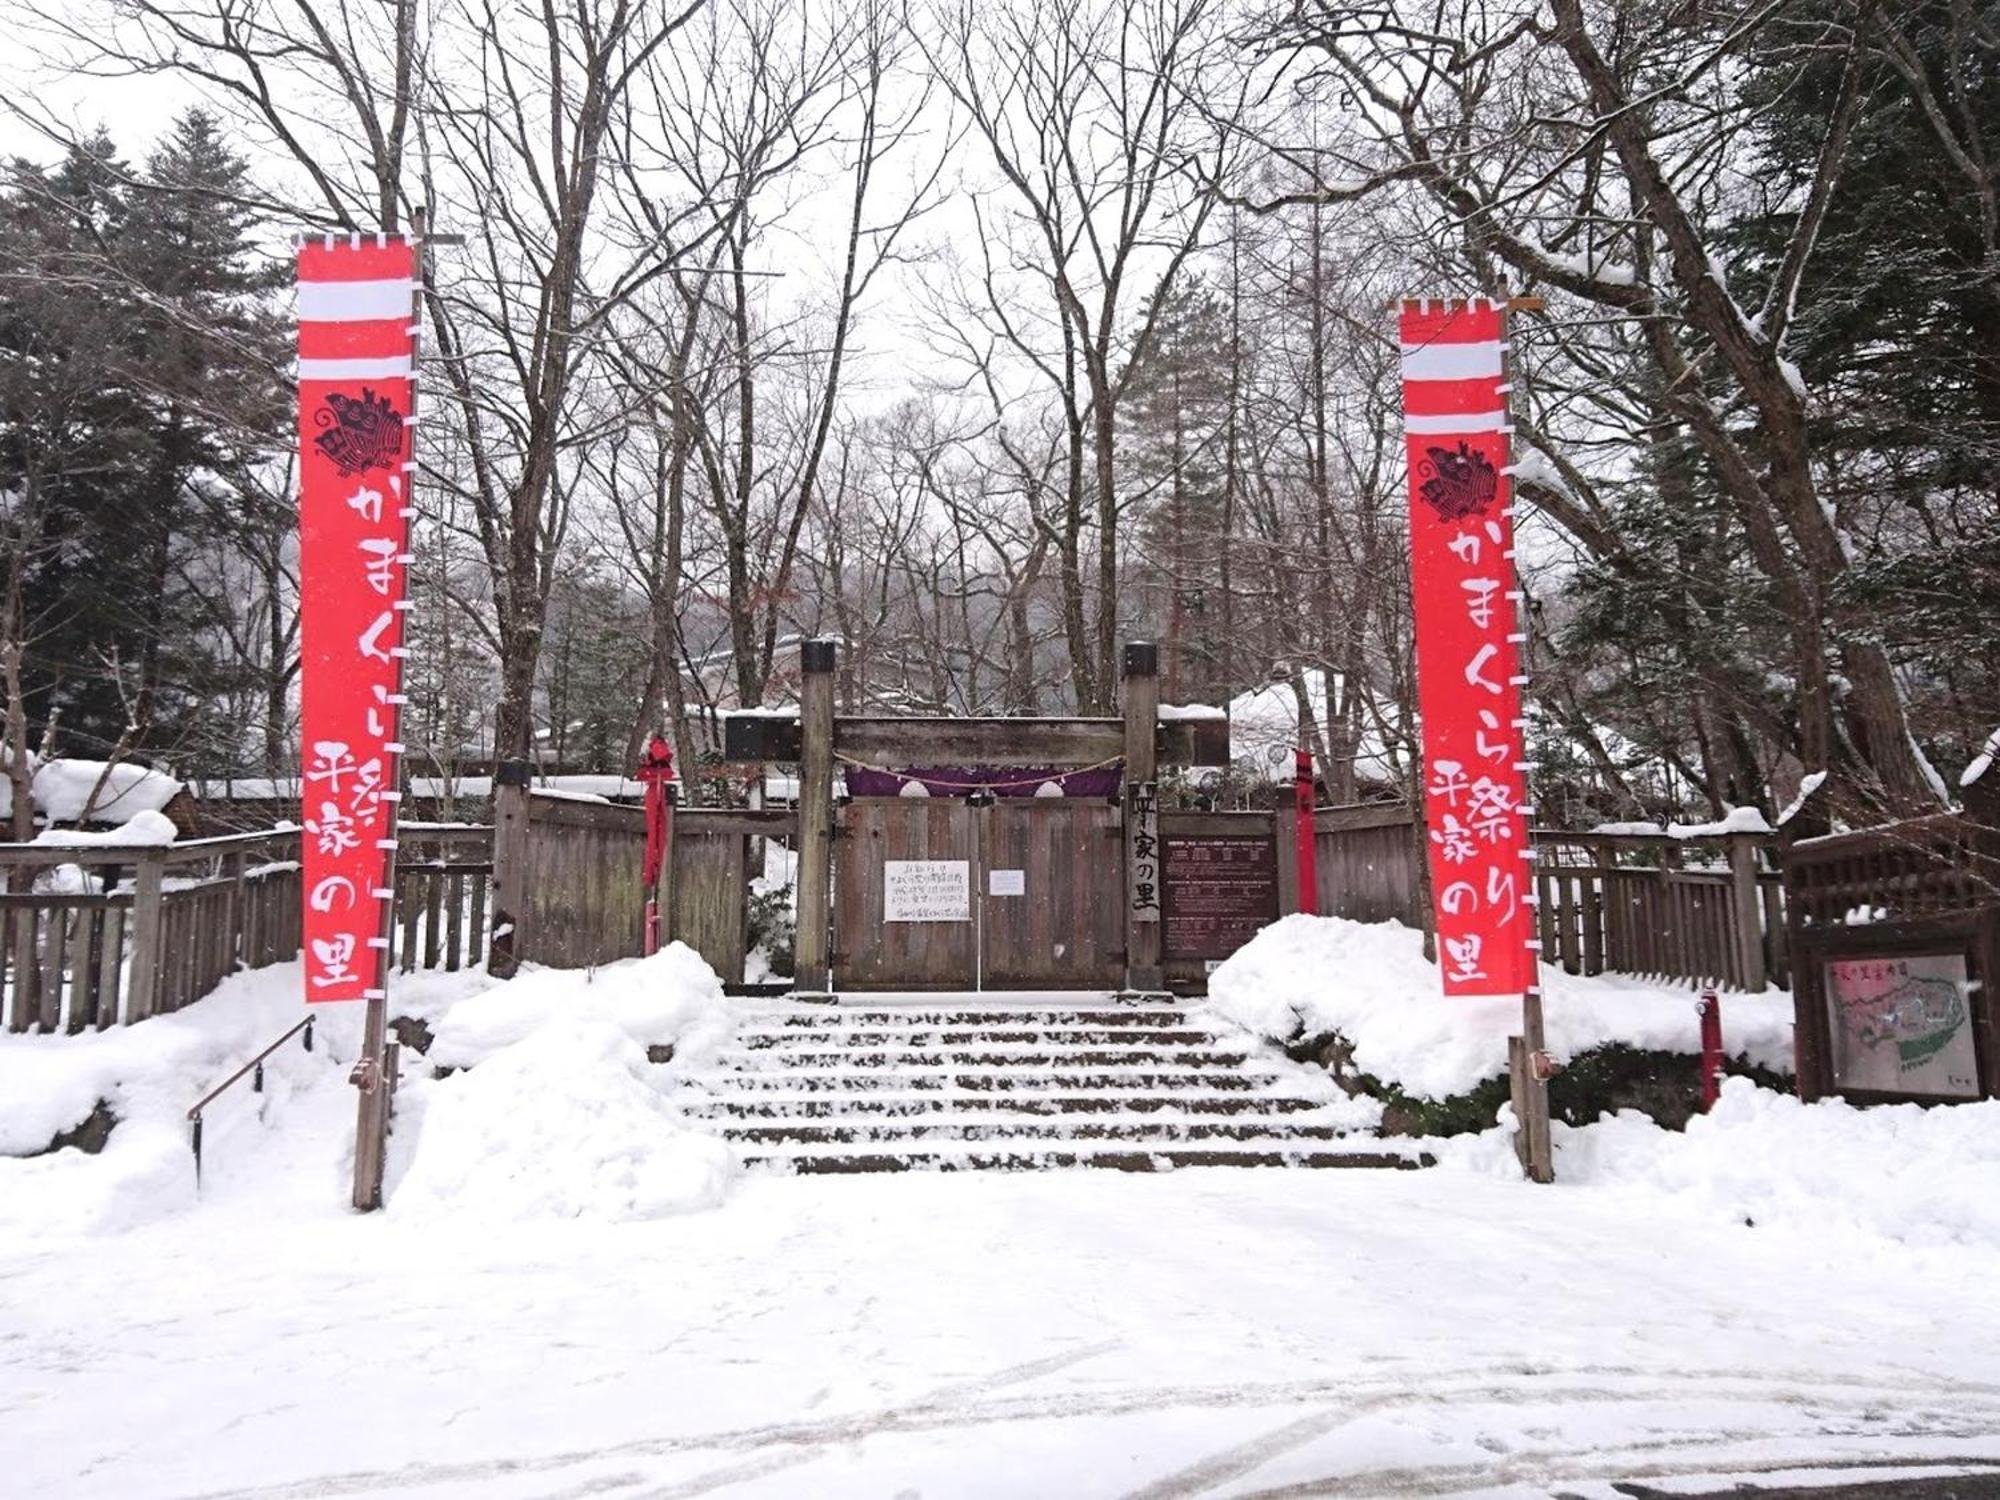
[(96, 935), (1701, 910)]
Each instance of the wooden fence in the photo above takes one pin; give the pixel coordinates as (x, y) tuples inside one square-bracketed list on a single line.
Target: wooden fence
[(1704, 911), (100, 934), (581, 868)]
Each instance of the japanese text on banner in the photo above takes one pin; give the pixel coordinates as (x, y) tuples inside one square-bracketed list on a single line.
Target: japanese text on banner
[(355, 356), (1467, 638)]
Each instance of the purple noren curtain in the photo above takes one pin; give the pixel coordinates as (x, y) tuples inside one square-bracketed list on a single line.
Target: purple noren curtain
[(1003, 781)]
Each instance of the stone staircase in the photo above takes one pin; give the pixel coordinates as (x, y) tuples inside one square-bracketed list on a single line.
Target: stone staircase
[(894, 1087)]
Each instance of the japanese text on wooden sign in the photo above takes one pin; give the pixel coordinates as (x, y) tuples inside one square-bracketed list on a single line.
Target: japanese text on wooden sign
[(1145, 892), (1221, 890), (926, 890), (356, 352), (1468, 658)]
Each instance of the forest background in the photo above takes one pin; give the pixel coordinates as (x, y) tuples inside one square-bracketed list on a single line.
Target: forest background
[(984, 337)]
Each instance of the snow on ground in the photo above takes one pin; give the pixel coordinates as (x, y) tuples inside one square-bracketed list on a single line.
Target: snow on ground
[(1205, 1333), (1213, 1333), (1369, 982), (1932, 1175)]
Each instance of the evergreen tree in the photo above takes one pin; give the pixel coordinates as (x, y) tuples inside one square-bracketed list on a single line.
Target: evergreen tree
[(144, 397)]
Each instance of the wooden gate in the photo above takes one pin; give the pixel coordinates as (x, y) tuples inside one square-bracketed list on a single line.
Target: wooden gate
[(870, 953), (1066, 928), (1056, 921)]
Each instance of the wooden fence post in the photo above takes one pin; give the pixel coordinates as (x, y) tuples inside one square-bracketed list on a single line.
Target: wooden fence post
[(144, 992), (510, 863), (1143, 886), (1747, 908), (811, 972)]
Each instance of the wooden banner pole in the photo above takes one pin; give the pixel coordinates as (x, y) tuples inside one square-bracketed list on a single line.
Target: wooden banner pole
[(1529, 1061), (375, 1071)]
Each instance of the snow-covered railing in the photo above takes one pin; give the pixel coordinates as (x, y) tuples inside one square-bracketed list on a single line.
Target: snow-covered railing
[(1703, 904), (98, 933)]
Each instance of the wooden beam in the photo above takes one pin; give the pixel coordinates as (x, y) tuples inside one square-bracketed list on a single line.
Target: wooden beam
[(810, 968), (758, 739), (979, 742)]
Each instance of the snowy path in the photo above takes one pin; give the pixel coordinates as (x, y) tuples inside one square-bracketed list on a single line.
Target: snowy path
[(1204, 1333)]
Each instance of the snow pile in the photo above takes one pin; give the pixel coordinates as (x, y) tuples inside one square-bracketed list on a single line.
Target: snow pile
[(1369, 982), (1900, 1172), (558, 1112), (1736, 820), (670, 999), (149, 1074), (62, 787), (153, 829), (570, 1122)]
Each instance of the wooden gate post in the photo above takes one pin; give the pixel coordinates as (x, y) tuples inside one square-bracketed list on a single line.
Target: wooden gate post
[(817, 660), (1144, 867), (510, 864), (1746, 912), (144, 988)]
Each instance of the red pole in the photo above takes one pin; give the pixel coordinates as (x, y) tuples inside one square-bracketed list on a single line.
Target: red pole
[(1308, 852), (655, 772), (1711, 1049)]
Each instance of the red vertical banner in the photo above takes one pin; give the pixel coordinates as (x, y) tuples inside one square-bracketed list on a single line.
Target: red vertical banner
[(1468, 639), (356, 356)]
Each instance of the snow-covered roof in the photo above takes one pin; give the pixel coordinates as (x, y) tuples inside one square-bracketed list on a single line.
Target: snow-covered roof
[(1264, 730)]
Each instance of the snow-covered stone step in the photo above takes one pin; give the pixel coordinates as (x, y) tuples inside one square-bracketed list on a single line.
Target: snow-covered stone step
[(1009, 1079), (999, 1055), (1058, 1128), (765, 1038), (949, 1103), (982, 1157), (1017, 1017)]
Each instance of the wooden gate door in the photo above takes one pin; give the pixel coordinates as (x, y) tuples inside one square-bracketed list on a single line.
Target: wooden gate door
[(1051, 894), (871, 952), (1043, 879)]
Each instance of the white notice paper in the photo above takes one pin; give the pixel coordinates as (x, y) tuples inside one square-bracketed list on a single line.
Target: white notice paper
[(926, 890), (1006, 882)]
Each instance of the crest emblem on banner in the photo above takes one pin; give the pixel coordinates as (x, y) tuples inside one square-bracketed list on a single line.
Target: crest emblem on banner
[(1460, 485), (361, 433)]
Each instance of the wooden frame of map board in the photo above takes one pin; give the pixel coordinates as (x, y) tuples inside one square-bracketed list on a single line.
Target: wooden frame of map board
[(1878, 1001)]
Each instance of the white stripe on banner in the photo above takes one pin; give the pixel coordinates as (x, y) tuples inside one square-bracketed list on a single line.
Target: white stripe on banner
[(1478, 421), (355, 369), (1451, 361), (354, 301)]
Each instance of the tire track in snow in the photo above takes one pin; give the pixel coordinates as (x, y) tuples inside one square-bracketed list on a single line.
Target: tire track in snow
[(1578, 1386)]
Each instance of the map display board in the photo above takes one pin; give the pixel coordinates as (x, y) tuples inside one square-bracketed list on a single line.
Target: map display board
[(1902, 1025)]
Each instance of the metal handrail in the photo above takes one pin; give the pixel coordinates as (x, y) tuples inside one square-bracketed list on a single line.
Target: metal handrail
[(255, 1067)]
